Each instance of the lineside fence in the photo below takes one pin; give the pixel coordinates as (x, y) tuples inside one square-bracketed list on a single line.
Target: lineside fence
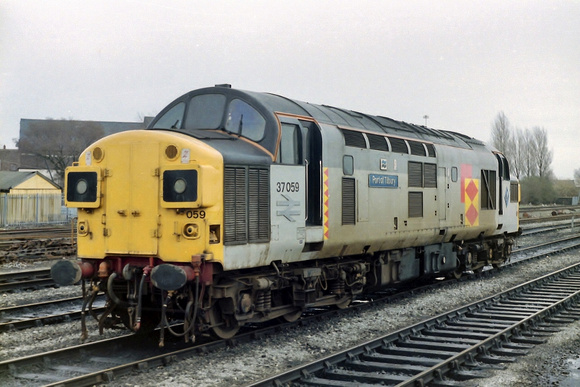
[(31, 210)]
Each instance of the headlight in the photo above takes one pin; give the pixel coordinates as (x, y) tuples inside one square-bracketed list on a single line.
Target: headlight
[(82, 188), (180, 186)]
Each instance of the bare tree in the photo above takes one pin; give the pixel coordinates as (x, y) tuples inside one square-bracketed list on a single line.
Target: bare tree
[(577, 177), (501, 136), (526, 150), (521, 155), (58, 142), (530, 167), (518, 160), (543, 155), (529, 158)]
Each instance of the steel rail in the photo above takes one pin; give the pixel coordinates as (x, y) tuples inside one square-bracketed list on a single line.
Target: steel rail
[(37, 233), (550, 219), (40, 253), (44, 320), (31, 279), (549, 208), (545, 229), (16, 308), (556, 242), (102, 360), (12, 317)]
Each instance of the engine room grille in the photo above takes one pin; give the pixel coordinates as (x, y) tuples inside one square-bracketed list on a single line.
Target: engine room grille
[(258, 195), (415, 174), (348, 201), (246, 205), (430, 179), (415, 204), (422, 175)]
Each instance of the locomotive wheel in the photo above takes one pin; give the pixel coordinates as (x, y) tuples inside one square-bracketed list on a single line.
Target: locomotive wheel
[(292, 316), (344, 302), (457, 273), (224, 326)]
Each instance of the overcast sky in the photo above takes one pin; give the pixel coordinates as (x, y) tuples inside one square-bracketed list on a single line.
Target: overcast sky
[(459, 62)]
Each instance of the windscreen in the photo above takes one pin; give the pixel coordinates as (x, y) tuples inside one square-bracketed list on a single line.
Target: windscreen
[(209, 111)]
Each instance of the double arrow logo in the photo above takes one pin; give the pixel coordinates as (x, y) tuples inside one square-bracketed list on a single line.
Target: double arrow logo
[(289, 211)]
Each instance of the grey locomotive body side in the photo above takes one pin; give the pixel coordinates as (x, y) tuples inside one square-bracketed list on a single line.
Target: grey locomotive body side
[(384, 188)]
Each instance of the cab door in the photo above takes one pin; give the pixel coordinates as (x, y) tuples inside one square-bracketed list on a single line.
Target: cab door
[(442, 187), (508, 197), (131, 199), (288, 194)]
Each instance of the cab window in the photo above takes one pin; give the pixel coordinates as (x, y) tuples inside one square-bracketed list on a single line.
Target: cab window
[(244, 120), (205, 111), (289, 151), (172, 119)]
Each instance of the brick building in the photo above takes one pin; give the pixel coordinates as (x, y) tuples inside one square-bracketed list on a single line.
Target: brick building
[(17, 160)]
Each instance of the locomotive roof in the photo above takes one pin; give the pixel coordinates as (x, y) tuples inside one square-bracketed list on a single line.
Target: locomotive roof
[(269, 104), (357, 120)]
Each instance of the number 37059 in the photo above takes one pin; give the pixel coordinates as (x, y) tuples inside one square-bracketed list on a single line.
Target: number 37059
[(287, 186)]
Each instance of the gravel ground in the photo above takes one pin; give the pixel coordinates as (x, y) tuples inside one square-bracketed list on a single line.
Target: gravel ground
[(554, 363)]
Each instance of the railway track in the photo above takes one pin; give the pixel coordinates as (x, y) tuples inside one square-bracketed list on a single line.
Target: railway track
[(553, 218), (103, 360), (36, 249), (25, 280), (538, 214), (545, 229), (44, 313), (36, 243), (66, 231), (454, 346), (549, 208), (556, 245)]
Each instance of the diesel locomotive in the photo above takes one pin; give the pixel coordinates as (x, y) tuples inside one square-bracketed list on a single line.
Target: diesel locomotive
[(236, 207)]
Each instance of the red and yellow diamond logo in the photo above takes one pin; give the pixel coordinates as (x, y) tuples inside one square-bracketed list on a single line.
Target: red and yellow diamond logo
[(472, 202)]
